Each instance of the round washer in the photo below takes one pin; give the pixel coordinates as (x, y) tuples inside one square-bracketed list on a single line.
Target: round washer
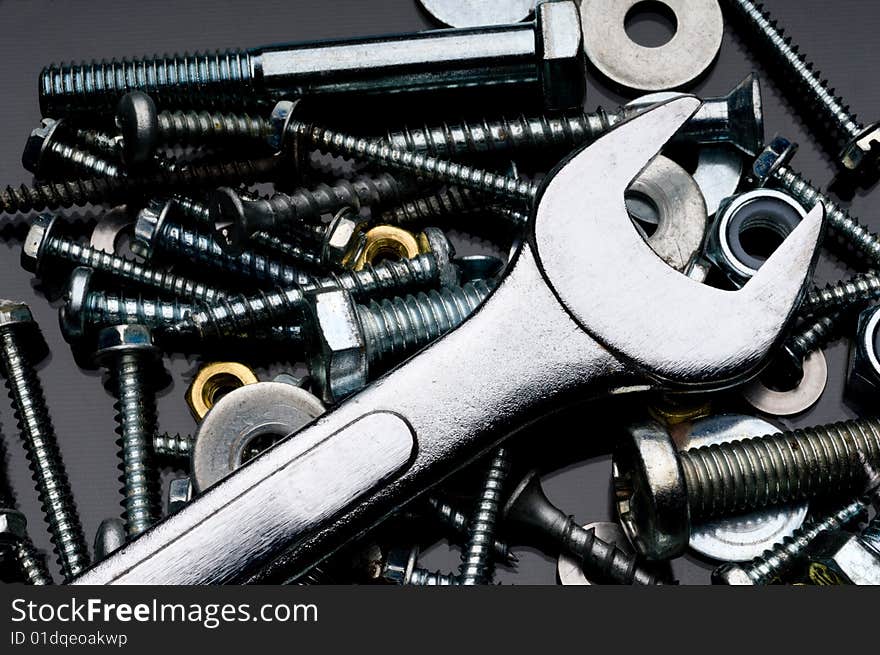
[(568, 567), (473, 13), (739, 538), (270, 409), (794, 401), (107, 232)]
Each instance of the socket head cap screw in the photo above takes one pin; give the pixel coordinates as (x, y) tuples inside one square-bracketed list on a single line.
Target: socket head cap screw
[(562, 65), (336, 356), (731, 574), (72, 316), (777, 153), (840, 557), (138, 121), (120, 339), (35, 242), (35, 146), (863, 377), (13, 526), (863, 151), (650, 491), (148, 224)]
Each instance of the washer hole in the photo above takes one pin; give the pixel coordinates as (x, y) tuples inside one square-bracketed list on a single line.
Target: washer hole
[(258, 444), (760, 236), (651, 23), (643, 211)]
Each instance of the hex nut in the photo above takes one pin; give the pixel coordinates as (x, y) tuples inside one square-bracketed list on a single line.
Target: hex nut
[(399, 565), (39, 234), (35, 146), (13, 526), (336, 356), (118, 339), (562, 66), (863, 375), (840, 557), (212, 378), (343, 240), (72, 316), (180, 492)]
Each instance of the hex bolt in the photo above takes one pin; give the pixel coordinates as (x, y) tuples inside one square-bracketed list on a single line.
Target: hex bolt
[(858, 290), (545, 57), (457, 521), (853, 146), (112, 191), (128, 353), (22, 344), (42, 244), (736, 118), (349, 342), (45, 153), (783, 556), (661, 492), (476, 556), (530, 513), (245, 314)]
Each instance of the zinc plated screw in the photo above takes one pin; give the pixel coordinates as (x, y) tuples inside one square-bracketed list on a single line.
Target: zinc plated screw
[(21, 344), (736, 118), (400, 567), (662, 492), (529, 511), (42, 244), (45, 153), (476, 556), (128, 353), (173, 446), (811, 335), (858, 290), (457, 521), (855, 144)]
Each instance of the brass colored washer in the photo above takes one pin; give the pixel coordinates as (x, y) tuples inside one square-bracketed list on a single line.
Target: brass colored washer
[(214, 377), (389, 241)]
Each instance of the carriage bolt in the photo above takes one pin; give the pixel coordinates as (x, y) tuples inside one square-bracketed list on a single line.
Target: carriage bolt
[(772, 167), (111, 536), (458, 522), (113, 191), (530, 513), (476, 556), (736, 118), (21, 345), (852, 145), (544, 57), (45, 154), (348, 342), (244, 314), (41, 244), (661, 492), (128, 353)]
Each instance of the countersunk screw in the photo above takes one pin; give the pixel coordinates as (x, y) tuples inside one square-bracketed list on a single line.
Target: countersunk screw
[(529, 511), (736, 118), (476, 556), (458, 522), (244, 314), (128, 353), (661, 492), (855, 146), (42, 244), (22, 344)]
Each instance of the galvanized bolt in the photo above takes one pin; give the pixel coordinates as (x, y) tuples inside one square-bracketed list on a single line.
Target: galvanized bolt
[(661, 492), (854, 146), (45, 154), (42, 244), (22, 344), (529, 512), (457, 521), (127, 351)]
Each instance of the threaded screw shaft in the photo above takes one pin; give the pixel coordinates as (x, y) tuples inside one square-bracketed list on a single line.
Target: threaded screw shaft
[(292, 252), (871, 533), (425, 578), (44, 456), (32, 565), (605, 560), (192, 209), (173, 446), (458, 522), (813, 336), (785, 467), (81, 161), (450, 202), (476, 557), (857, 290), (188, 128), (98, 142)]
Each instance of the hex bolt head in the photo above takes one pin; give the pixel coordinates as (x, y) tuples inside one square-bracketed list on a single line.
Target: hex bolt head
[(17, 316), (41, 231), (561, 59), (863, 376), (72, 315), (138, 121), (337, 359), (779, 152), (37, 144), (119, 339), (150, 221), (13, 526)]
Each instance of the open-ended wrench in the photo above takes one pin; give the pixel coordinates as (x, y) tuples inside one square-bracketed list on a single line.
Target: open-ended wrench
[(586, 309)]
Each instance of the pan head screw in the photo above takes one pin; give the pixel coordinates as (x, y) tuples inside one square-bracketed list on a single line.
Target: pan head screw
[(138, 121)]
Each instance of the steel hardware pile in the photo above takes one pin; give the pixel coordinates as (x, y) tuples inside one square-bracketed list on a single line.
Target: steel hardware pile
[(628, 272)]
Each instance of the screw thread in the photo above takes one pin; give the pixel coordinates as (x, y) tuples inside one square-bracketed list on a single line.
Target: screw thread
[(813, 336), (427, 167), (44, 457), (785, 467), (476, 557), (426, 578), (605, 560), (198, 127), (192, 209), (293, 252), (819, 99), (845, 226), (97, 141), (173, 446), (82, 161), (458, 522), (871, 534), (136, 425), (857, 290), (448, 202), (180, 80), (106, 309), (31, 563), (128, 269), (773, 563), (395, 327)]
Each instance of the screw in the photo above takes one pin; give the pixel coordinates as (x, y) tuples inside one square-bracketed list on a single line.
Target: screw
[(458, 522), (661, 492), (400, 568), (845, 294), (449, 202), (173, 446), (22, 344), (529, 511), (379, 332), (244, 314), (788, 366), (41, 243), (127, 351), (101, 143), (853, 144), (736, 118), (476, 557), (44, 152), (514, 56)]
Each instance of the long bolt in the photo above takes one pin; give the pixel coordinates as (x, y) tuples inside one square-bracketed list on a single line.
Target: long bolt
[(38, 435), (476, 557), (129, 355), (41, 244), (458, 522), (851, 142)]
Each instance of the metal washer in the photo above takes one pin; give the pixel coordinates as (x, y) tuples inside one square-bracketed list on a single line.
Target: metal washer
[(682, 60), (473, 13), (797, 400)]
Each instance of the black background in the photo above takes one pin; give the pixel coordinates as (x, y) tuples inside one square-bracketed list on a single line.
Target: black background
[(839, 36)]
